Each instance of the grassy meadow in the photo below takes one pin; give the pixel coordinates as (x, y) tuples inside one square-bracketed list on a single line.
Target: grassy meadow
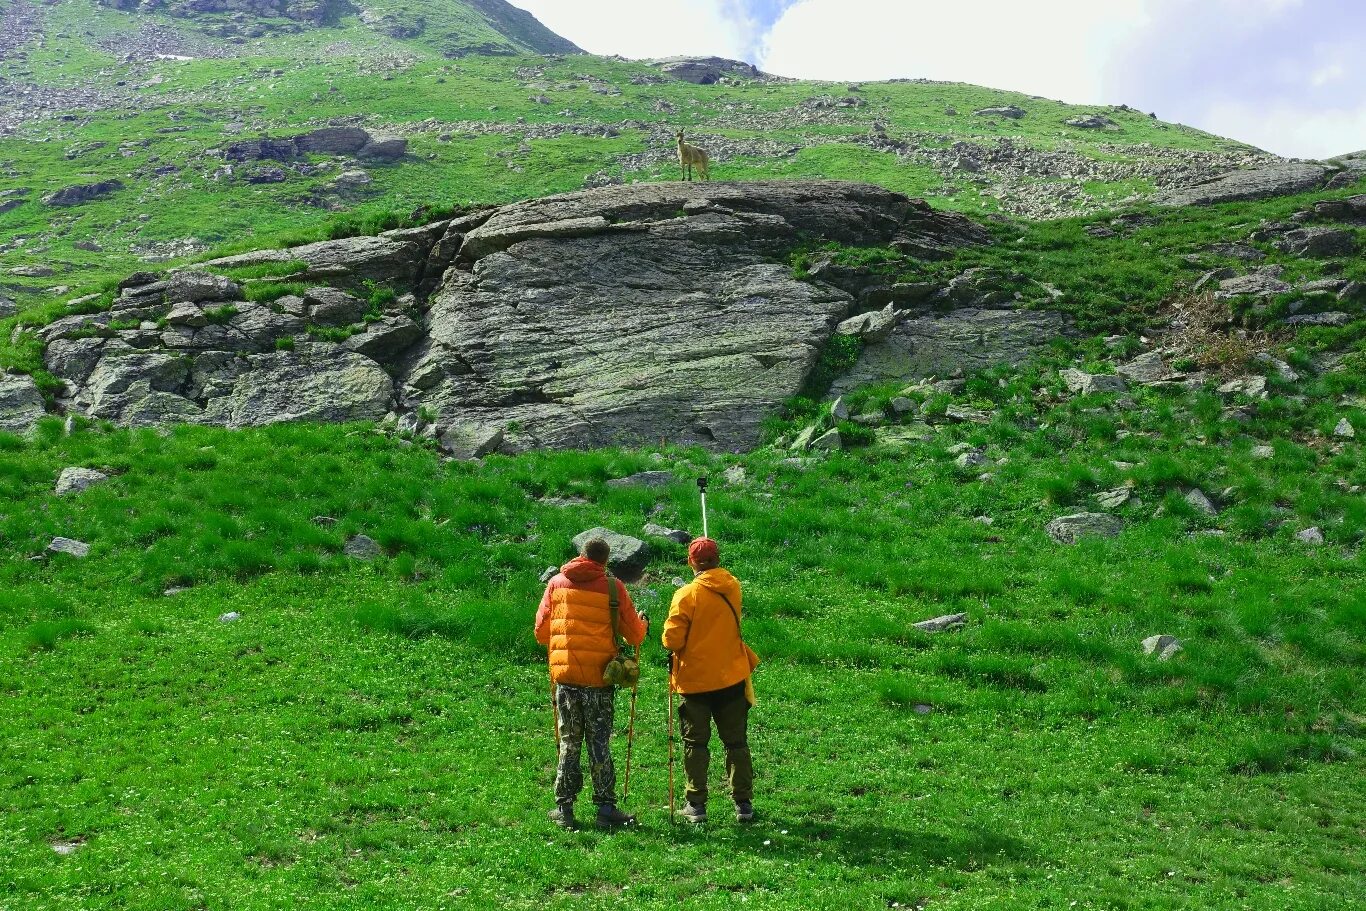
[(378, 734)]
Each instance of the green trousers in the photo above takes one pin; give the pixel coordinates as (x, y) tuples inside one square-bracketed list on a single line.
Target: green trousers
[(730, 710)]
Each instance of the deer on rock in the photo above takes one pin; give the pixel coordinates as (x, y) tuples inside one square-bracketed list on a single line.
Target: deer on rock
[(690, 157)]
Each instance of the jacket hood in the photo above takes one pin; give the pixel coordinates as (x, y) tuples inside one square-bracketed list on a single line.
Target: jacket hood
[(719, 580), (581, 570)]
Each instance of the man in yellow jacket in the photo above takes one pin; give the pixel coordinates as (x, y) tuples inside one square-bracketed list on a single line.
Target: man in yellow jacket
[(711, 667)]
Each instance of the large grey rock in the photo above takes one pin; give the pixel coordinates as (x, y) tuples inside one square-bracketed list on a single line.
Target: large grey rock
[(75, 480), (630, 556), (1079, 382), (21, 405), (968, 339), (1010, 111), (719, 332), (1147, 369), (194, 286), (1318, 241), (940, 624), (82, 193), (472, 441), (705, 70), (346, 263), (332, 307), (1071, 529), (361, 547), (333, 140), (385, 148), (386, 338), (871, 328), (8, 307), (313, 383), (132, 388), (1263, 283), (1278, 179), (678, 536)]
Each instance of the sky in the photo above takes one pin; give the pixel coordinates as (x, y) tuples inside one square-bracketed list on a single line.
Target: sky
[(1288, 76)]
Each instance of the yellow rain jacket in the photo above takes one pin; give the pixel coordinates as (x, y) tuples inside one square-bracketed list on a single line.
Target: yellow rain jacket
[(704, 635)]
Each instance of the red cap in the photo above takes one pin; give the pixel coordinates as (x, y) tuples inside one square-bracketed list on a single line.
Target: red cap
[(704, 550)]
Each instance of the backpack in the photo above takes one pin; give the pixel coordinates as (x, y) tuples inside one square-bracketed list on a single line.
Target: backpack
[(624, 669)]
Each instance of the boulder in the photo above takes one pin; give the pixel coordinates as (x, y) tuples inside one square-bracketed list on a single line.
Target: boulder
[(385, 338), (1263, 283), (332, 307), (940, 624), (1329, 318), (1163, 647), (471, 441), (82, 193), (1147, 369), (21, 405), (1277, 178), (1318, 241), (1197, 500), (332, 141), (673, 534), (971, 459), (361, 547), (1009, 111), (705, 70), (69, 546), (1081, 383), (1312, 536), (870, 328), (1091, 122), (1073, 528), (630, 556), (1344, 430), (830, 441), (387, 148), (75, 480), (8, 307), (194, 286)]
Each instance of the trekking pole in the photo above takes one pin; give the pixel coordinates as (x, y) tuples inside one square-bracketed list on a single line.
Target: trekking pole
[(702, 487), (671, 743), (630, 741)]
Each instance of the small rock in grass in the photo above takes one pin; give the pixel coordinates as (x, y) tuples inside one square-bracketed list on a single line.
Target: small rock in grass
[(1071, 529), (939, 624), (960, 448), (1079, 382), (644, 479), (735, 475), (840, 409), (550, 573), (231, 616), (1312, 536), (828, 441), (963, 413), (984, 520), (921, 708), (1263, 452), (1114, 499), (1345, 430), (362, 547), (69, 546), (563, 502), (902, 405), (1199, 502), (324, 521), (74, 480), (973, 458), (173, 591), (1163, 646), (678, 536), (66, 848), (804, 438)]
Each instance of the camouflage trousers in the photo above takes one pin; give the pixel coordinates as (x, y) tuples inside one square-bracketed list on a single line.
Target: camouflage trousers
[(586, 713)]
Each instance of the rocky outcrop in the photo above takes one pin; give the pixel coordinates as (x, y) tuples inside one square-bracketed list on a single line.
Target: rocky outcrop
[(705, 70), (1280, 178), (616, 315), (82, 193), (334, 140)]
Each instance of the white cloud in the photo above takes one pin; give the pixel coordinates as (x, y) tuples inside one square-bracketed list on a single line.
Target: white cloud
[(648, 28), (1058, 50), (1288, 129)]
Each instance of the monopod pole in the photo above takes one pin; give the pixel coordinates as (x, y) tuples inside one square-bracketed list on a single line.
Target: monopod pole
[(702, 487)]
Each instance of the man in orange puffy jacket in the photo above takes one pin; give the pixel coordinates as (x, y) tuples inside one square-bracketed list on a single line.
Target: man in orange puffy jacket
[(711, 667), (575, 624)]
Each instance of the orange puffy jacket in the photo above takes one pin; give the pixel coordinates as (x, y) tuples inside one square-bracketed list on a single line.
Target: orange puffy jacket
[(575, 623), (704, 635)]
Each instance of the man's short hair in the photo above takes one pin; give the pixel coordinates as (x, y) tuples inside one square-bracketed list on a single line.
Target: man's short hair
[(596, 549)]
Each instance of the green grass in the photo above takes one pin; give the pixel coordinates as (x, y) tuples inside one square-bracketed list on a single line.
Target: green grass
[(377, 733)]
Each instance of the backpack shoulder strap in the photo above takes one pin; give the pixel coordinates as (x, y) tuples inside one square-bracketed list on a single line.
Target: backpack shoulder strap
[(613, 603), (733, 612)]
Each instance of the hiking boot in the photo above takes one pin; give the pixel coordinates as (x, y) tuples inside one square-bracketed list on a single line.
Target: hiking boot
[(693, 813), (609, 817), (563, 816), (744, 811)]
